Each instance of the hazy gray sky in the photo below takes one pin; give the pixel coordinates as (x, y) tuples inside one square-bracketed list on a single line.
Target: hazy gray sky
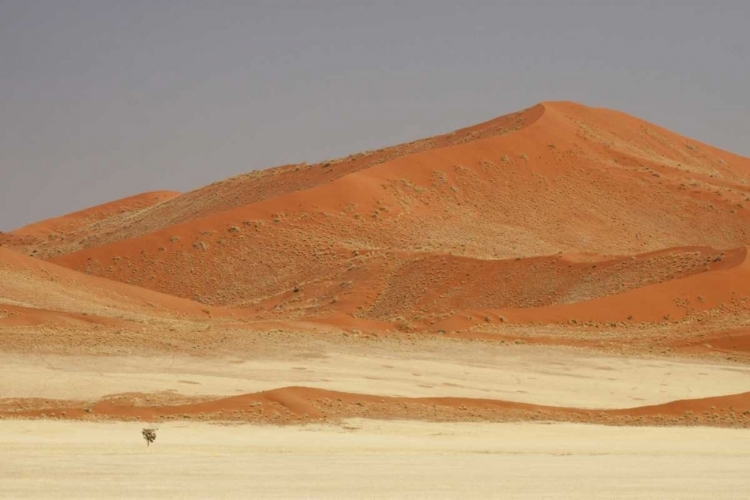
[(101, 99)]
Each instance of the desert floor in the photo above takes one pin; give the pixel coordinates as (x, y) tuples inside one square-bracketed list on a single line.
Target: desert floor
[(371, 459), (555, 376)]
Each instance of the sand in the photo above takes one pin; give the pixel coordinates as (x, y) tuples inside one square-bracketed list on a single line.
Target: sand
[(563, 263), (538, 375), (346, 233), (366, 459)]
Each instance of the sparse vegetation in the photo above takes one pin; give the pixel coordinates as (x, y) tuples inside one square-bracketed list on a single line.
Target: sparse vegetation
[(149, 434)]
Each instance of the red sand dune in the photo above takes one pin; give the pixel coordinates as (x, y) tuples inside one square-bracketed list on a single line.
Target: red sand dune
[(353, 237), (715, 284), (559, 224), (304, 404), (271, 183), (725, 341), (68, 233), (32, 290)]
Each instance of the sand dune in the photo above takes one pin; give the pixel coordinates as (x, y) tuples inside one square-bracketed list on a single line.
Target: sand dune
[(723, 284), (539, 190), (562, 262), (304, 404), (28, 284), (276, 182), (70, 232)]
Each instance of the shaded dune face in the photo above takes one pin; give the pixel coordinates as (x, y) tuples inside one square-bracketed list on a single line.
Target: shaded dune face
[(35, 288)]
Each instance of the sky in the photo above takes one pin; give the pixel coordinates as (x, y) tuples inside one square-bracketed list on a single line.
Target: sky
[(102, 99)]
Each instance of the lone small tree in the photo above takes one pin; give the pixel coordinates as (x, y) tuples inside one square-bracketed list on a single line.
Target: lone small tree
[(149, 435)]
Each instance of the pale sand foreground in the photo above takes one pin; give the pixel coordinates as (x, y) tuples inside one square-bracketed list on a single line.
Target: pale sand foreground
[(371, 459), (540, 375)]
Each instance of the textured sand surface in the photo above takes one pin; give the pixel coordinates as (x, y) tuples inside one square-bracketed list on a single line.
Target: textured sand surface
[(562, 263), (366, 459), (539, 375)]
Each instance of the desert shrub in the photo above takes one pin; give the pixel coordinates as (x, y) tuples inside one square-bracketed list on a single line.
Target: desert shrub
[(149, 435)]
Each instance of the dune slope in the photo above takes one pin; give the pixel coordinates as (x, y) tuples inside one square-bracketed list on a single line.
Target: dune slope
[(33, 283), (68, 233), (570, 180)]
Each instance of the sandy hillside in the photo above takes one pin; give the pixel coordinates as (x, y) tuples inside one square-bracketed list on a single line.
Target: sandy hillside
[(561, 263), (69, 233), (568, 180)]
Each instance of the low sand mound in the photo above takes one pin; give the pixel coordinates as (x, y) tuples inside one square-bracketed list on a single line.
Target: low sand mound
[(70, 233), (303, 404)]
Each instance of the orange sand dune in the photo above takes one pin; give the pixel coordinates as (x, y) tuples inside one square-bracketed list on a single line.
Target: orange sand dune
[(725, 286), (560, 224), (275, 182), (448, 283), (68, 233), (702, 312), (547, 136), (725, 341), (20, 316), (301, 404), (573, 179), (34, 291)]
